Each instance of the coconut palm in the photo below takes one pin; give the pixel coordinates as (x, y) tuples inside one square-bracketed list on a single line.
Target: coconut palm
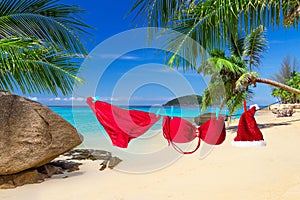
[(206, 21), (224, 72), (232, 71), (216, 23), (39, 40)]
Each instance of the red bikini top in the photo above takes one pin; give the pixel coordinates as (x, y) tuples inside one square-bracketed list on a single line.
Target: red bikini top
[(213, 131)]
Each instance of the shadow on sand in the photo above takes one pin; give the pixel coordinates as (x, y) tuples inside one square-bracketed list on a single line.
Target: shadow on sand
[(267, 125)]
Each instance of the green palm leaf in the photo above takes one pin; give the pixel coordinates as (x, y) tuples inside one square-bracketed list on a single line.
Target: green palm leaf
[(213, 23), (46, 20), (158, 12), (237, 45), (32, 67), (245, 80), (254, 45), (235, 102)]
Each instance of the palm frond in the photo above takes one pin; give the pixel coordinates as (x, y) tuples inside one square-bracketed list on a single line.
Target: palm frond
[(235, 102), (158, 13), (214, 93), (245, 80), (237, 45), (255, 44), (218, 63), (291, 13), (46, 20), (212, 23), (28, 65)]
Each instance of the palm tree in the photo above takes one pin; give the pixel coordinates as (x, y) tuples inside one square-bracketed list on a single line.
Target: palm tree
[(225, 72), (39, 40), (206, 21), (232, 71)]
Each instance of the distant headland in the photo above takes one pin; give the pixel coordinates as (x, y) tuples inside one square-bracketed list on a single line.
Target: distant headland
[(188, 100)]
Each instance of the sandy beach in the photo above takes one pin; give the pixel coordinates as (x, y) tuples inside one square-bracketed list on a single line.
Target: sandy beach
[(271, 172)]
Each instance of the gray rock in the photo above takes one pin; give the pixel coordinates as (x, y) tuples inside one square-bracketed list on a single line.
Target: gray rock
[(114, 161), (285, 112), (21, 178), (37, 175), (204, 117), (69, 166), (94, 154), (31, 135)]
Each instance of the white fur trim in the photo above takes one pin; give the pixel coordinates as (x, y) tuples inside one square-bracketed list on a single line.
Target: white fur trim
[(255, 105), (259, 143)]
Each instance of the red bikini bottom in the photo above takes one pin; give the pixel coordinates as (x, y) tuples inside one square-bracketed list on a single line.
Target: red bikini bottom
[(122, 125)]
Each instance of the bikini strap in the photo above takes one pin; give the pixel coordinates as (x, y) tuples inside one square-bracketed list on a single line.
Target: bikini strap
[(185, 152), (167, 135), (245, 105)]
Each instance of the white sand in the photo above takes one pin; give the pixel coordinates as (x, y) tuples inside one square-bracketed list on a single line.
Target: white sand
[(271, 172)]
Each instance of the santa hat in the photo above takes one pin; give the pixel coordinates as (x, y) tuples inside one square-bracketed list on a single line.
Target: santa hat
[(248, 134)]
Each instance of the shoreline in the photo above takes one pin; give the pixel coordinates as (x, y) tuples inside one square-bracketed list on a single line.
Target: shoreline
[(228, 172)]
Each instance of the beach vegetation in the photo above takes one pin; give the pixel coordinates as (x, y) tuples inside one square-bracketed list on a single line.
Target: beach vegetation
[(288, 75), (40, 46), (286, 96), (219, 24), (188, 100)]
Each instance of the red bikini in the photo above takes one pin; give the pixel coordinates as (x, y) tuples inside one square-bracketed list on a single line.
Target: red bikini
[(213, 131), (178, 130), (124, 125)]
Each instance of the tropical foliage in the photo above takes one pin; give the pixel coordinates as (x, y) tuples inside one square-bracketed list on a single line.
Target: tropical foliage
[(287, 76), (219, 24), (39, 45), (230, 74), (286, 96), (214, 23), (34, 67), (224, 72), (189, 100)]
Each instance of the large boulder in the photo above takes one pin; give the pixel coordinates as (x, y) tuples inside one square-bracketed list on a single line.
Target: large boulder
[(31, 135)]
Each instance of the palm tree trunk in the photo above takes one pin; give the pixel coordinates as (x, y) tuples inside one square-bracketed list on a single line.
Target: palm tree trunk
[(278, 85)]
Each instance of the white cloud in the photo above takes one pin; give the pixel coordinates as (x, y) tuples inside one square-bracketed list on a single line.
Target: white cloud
[(118, 56), (72, 99), (33, 98), (57, 99), (80, 99)]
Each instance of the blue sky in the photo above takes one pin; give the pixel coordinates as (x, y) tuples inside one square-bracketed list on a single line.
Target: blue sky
[(108, 19)]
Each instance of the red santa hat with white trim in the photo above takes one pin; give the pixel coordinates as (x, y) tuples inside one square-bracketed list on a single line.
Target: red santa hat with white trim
[(248, 134)]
